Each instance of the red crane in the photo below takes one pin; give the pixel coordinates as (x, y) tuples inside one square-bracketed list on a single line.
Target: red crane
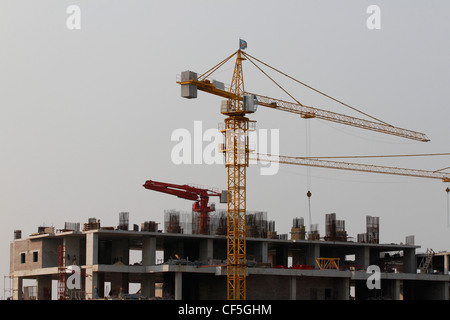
[(199, 195)]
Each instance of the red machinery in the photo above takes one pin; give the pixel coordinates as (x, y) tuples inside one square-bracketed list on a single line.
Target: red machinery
[(199, 195)]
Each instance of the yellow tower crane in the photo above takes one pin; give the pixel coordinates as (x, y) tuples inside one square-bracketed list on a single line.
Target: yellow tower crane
[(236, 107)]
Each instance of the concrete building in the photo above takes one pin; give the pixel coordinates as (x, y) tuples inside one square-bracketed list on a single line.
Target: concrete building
[(192, 266)]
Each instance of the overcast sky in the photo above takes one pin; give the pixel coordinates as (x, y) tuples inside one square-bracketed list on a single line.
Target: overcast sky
[(86, 115)]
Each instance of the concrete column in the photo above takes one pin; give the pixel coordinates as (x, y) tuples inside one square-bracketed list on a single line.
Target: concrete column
[(91, 259), (206, 250), (446, 264), (91, 248), (312, 252), (148, 285), (44, 287), (264, 252), (409, 261), (396, 290), (445, 293), (178, 285), (17, 288), (293, 288), (91, 283), (148, 251), (362, 257)]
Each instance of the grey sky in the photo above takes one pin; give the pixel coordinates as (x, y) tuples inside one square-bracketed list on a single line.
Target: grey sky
[(86, 115)]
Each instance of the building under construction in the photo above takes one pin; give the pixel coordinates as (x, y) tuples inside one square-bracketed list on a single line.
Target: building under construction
[(180, 263)]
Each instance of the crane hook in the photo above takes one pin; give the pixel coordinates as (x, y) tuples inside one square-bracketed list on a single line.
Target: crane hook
[(308, 194)]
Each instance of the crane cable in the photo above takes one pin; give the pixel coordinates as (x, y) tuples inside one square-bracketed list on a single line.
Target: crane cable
[(448, 205), (215, 68), (308, 170), (383, 156), (320, 92), (272, 80)]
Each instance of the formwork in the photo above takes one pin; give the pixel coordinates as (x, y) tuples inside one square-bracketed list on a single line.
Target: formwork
[(334, 229), (298, 231), (92, 224), (372, 234), (314, 234), (189, 223), (150, 226)]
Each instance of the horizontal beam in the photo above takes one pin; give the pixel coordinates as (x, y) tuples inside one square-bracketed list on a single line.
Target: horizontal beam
[(312, 162), (311, 112)]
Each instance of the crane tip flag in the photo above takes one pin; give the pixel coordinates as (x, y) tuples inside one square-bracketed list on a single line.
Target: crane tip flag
[(242, 44)]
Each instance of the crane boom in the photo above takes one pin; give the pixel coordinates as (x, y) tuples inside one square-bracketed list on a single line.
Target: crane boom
[(185, 191), (311, 112), (313, 162)]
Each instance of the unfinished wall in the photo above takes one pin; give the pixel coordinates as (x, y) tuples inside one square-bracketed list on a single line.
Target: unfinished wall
[(26, 255)]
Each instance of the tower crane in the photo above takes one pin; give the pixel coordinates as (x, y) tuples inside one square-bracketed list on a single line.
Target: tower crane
[(238, 104), (185, 191)]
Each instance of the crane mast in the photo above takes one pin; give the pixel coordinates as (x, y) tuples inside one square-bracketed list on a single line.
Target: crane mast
[(236, 161)]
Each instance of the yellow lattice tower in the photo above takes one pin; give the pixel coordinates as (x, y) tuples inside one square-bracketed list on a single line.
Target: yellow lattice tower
[(236, 161)]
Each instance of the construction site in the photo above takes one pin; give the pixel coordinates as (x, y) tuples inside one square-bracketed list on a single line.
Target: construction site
[(179, 262), (233, 253)]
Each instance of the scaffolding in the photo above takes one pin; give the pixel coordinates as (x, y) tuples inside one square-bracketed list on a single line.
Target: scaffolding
[(334, 229), (189, 223), (172, 221), (372, 234), (373, 229), (72, 226), (257, 224), (61, 272), (218, 222), (123, 221)]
